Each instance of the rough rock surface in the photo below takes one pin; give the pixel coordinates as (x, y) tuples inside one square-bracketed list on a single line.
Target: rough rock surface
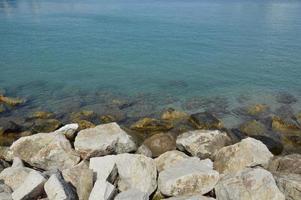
[(248, 184), (202, 143), (247, 153), (193, 197), (105, 167), (102, 190), (5, 191), (144, 150), (57, 188), (160, 143), (205, 120), (168, 159), (132, 194), (103, 140), (286, 164), (151, 125), (187, 177), (31, 188), (81, 177), (290, 185), (68, 130), (6, 153), (3, 165)]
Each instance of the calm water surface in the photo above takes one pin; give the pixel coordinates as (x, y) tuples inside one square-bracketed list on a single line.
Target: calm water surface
[(52, 51)]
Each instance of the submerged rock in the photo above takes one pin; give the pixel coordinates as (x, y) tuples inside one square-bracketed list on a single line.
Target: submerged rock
[(160, 143), (84, 124), (286, 98), (151, 125), (42, 115), (248, 184), (187, 177), (202, 143), (45, 125), (168, 159), (205, 120), (257, 109), (253, 128), (46, 151), (173, 115), (247, 153), (290, 185), (11, 101), (103, 140)]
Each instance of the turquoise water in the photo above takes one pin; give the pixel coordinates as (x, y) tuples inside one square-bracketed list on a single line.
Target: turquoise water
[(57, 52)]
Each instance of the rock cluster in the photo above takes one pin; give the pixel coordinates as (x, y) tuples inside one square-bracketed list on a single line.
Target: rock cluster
[(104, 162)]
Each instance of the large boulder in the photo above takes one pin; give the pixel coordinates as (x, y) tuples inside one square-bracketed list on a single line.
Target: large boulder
[(46, 151), (132, 194), (248, 184), (205, 120), (135, 171), (103, 140), (31, 188), (102, 190), (202, 143), (168, 159), (289, 184), (57, 188), (160, 143), (286, 164), (187, 177), (81, 177), (247, 153)]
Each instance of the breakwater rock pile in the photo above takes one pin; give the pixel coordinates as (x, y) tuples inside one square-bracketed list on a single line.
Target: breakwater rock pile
[(105, 162)]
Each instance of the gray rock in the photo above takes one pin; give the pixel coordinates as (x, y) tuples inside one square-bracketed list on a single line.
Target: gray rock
[(202, 143), (168, 159), (193, 197), (290, 185), (68, 130), (286, 164), (104, 168), (57, 188), (5, 191), (102, 190), (248, 184), (6, 154), (247, 153), (132, 194), (103, 140), (144, 150), (188, 177), (31, 188), (3, 165)]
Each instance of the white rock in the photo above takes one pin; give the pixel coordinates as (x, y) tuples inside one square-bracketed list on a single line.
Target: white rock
[(193, 197), (187, 177), (47, 151), (15, 175), (103, 140), (144, 150), (57, 188), (247, 153), (168, 159), (248, 184), (5, 192), (132, 194), (202, 143), (68, 130), (135, 171), (290, 185), (31, 188), (102, 190)]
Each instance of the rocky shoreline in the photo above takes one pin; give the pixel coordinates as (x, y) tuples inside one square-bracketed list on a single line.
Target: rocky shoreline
[(105, 162)]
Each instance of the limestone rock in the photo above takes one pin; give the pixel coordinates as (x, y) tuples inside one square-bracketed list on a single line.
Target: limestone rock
[(132, 194), (286, 164), (31, 188), (6, 153), (160, 143), (144, 150), (57, 188), (187, 177), (68, 130), (102, 190), (272, 144), (247, 153), (81, 177), (168, 159), (104, 167), (248, 184), (3, 165), (290, 185), (5, 191), (103, 140), (205, 120), (193, 197), (46, 151), (202, 143), (151, 125)]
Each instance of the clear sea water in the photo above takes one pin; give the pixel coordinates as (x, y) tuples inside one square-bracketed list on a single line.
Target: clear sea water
[(57, 52)]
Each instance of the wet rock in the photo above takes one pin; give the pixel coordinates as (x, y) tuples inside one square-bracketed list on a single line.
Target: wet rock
[(202, 143), (285, 126), (68, 130), (11, 101), (3, 165), (83, 115), (102, 190), (205, 120), (168, 159), (3, 108), (45, 125), (273, 145), (173, 115), (290, 185), (144, 150), (103, 140), (191, 197), (160, 143), (285, 98), (31, 188), (84, 124), (151, 125), (132, 194), (248, 184), (187, 177), (57, 188), (46, 151), (5, 191), (15, 175), (107, 119), (81, 177), (236, 135), (247, 153), (6, 139), (42, 115), (253, 128), (257, 109), (286, 164)]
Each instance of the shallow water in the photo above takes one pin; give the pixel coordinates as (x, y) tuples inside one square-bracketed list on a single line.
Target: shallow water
[(60, 52)]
